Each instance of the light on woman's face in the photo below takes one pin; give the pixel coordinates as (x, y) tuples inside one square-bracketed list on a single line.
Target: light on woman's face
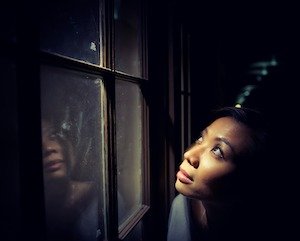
[(54, 161), (208, 166)]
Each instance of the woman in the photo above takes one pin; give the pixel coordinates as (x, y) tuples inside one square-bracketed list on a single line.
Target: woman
[(71, 206), (219, 175)]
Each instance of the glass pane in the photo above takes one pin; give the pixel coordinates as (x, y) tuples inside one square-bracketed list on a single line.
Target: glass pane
[(129, 148), (135, 234), (71, 28), (73, 156), (128, 40)]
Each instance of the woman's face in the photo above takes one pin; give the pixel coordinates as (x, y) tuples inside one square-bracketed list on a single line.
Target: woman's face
[(208, 168), (55, 164)]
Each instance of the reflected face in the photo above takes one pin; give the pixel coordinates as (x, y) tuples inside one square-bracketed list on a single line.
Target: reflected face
[(208, 166), (55, 165)]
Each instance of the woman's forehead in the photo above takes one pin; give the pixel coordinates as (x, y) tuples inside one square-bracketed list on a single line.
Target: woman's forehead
[(236, 133)]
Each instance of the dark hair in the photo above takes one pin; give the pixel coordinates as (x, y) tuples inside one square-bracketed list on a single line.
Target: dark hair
[(249, 181), (254, 120), (252, 164)]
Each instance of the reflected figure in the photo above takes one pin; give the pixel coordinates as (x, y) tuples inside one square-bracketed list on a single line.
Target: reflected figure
[(71, 206)]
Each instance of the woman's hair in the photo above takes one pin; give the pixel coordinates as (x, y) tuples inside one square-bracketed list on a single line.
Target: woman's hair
[(254, 163), (252, 119)]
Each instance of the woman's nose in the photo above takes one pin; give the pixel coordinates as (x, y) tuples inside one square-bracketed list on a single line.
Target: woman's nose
[(48, 148), (193, 158)]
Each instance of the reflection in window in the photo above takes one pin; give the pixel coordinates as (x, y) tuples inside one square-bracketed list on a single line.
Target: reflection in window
[(72, 155), (129, 148), (71, 28), (128, 41)]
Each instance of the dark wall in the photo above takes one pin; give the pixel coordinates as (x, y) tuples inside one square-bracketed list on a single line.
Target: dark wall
[(226, 39)]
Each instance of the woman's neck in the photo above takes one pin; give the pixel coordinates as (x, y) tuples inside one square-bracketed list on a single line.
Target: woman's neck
[(199, 213)]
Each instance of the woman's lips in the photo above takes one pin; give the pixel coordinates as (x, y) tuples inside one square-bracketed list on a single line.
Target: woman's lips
[(184, 177), (52, 166)]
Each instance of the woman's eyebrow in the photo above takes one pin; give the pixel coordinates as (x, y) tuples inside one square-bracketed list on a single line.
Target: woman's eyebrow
[(226, 142), (221, 139)]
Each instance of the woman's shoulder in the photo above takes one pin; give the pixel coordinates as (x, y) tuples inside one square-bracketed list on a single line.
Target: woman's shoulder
[(82, 193), (179, 220)]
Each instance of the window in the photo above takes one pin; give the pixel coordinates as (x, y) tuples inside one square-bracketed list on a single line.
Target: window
[(130, 164), (93, 119), (128, 36), (73, 158), (72, 29), (72, 73)]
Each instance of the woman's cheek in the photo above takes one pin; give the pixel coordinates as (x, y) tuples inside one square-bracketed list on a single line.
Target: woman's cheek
[(211, 172)]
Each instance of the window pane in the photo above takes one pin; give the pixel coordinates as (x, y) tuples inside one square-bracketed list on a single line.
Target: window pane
[(128, 41), (73, 156), (71, 28), (129, 148)]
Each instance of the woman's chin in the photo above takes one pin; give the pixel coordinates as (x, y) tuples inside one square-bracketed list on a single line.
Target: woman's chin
[(55, 176), (188, 190), (182, 188)]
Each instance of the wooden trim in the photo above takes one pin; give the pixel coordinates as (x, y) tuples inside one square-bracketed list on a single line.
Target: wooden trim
[(130, 223)]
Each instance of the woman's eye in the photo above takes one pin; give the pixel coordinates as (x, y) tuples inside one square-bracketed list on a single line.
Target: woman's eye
[(53, 136), (218, 152)]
